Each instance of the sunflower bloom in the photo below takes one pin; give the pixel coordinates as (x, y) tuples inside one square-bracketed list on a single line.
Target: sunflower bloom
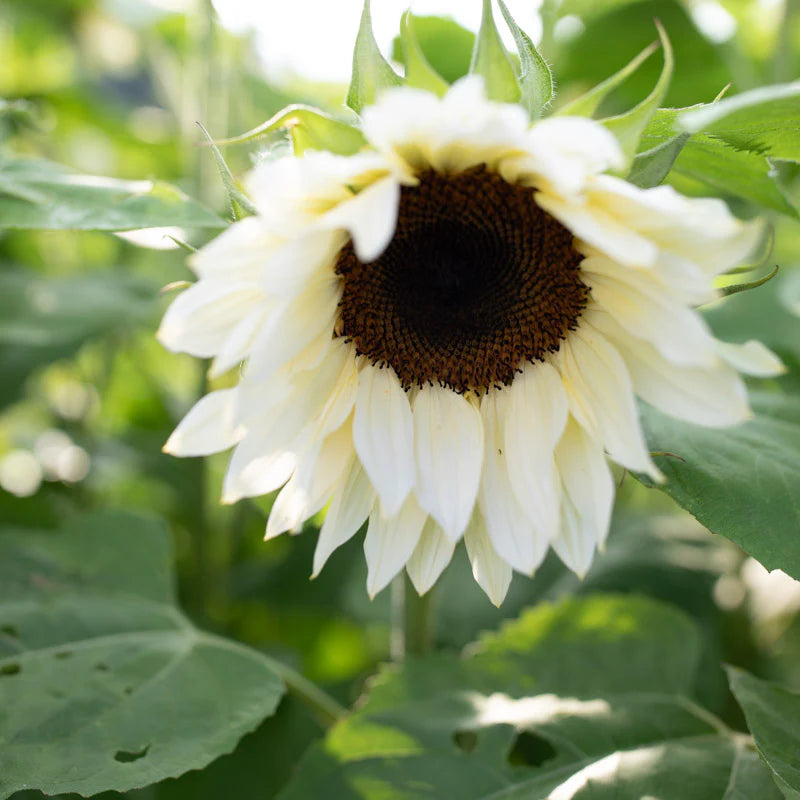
[(444, 334)]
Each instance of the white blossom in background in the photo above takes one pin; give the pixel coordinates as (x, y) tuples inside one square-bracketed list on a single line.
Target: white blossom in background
[(444, 335)]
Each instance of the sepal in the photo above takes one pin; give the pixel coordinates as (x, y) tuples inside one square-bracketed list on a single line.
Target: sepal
[(371, 71)]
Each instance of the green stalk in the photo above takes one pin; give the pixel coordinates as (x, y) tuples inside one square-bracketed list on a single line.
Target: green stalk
[(325, 706), (412, 620), (782, 66)]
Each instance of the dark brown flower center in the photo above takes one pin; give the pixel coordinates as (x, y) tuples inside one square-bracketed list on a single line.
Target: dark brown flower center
[(477, 280)]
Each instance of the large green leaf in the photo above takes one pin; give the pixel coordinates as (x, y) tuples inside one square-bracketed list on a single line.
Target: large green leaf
[(741, 482), (773, 715), (584, 699), (703, 161), (38, 194), (104, 684), (765, 121), (43, 320)]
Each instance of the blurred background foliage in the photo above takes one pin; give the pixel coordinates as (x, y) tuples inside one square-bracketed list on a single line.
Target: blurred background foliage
[(87, 397)]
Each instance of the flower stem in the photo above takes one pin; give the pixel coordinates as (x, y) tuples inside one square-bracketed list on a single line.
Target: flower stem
[(326, 707), (412, 620)]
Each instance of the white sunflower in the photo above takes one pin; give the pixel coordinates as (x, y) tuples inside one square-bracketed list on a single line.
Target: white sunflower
[(444, 334)]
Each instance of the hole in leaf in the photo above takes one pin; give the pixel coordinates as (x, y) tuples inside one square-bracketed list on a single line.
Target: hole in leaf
[(127, 756), (10, 669), (102, 667), (9, 630), (530, 750), (465, 741), (62, 654)]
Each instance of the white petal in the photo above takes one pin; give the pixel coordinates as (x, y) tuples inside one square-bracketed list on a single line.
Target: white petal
[(510, 528), (201, 318), (537, 413), (390, 541), (343, 396), (370, 217), (431, 555), (588, 497), (288, 269), (209, 427), (646, 310), (448, 445), (601, 230), (351, 505), (566, 150), (239, 342), (238, 253), (384, 435), (713, 397), (751, 358), (313, 482), (295, 325), (489, 570), (601, 397), (701, 229), (255, 470)]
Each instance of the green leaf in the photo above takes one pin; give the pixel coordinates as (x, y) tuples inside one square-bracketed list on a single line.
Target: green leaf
[(371, 71), (587, 104), (773, 716), (765, 121), (446, 45), (419, 73), (707, 164), (491, 61), (535, 78), (40, 194), (237, 200), (310, 129), (46, 319), (629, 127), (583, 699), (743, 482), (104, 684)]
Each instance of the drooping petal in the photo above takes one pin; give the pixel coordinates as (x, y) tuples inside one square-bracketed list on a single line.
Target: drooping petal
[(200, 319), (209, 427), (289, 268), (648, 312), (510, 528), (313, 482), (489, 570), (587, 498), (751, 358), (448, 445), (294, 325), (601, 397), (238, 252), (383, 432), (536, 415), (431, 555), (352, 503), (715, 397), (255, 469), (390, 541), (239, 342)]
